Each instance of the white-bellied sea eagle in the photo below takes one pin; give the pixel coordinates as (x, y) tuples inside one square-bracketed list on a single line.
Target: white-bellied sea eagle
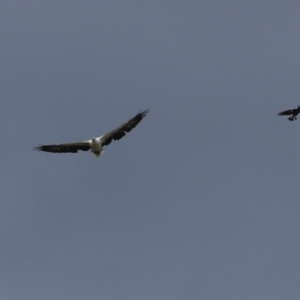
[(95, 144)]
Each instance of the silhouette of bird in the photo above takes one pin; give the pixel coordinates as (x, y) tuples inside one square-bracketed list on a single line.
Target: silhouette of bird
[(293, 112)]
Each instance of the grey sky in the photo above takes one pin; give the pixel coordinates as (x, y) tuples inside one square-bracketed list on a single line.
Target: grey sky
[(200, 200)]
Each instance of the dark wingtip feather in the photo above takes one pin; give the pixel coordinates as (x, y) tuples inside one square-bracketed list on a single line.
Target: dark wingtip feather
[(144, 112), (37, 148)]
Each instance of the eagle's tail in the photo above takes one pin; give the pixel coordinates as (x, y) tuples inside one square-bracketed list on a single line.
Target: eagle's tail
[(98, 153), (292, 118)]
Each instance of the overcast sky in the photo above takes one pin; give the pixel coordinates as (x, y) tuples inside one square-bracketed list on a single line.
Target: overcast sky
[(200, 200)]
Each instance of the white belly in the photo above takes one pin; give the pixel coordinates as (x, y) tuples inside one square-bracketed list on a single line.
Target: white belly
[(96, 147)]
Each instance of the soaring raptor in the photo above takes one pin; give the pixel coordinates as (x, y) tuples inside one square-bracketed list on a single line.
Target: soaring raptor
[(95, 144), (293, 112)]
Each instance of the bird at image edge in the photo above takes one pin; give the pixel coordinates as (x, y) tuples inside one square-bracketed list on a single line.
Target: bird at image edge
[(293, 112)]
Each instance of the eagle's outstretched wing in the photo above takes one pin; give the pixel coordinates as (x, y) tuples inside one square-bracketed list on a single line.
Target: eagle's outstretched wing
[(119, 132), (64, 148)]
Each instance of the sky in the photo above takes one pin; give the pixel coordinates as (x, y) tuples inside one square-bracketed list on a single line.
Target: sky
[(200, 200)]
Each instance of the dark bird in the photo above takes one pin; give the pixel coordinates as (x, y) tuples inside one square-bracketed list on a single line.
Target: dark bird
[(293, 112), (95, 144)]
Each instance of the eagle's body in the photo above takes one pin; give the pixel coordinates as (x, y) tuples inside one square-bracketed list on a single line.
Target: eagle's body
[(293, 112), (95, 144)]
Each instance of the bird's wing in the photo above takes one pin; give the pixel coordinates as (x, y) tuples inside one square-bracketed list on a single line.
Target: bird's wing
[(119, 132), (286, 112), (64, 148)]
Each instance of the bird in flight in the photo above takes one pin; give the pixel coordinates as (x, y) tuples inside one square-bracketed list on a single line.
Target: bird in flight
[(95, 144), (293, 112)]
